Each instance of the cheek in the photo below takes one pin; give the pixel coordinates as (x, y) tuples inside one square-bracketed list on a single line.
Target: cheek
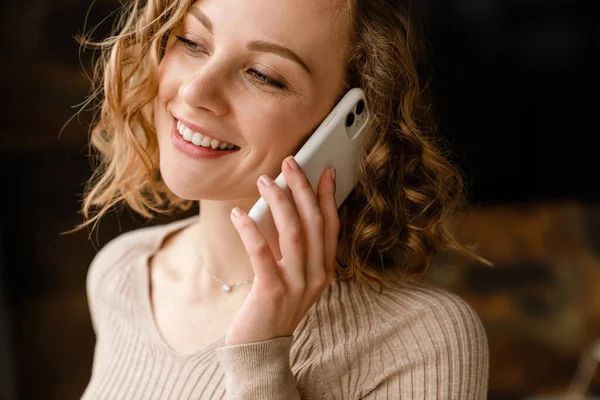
[(276, 130), (169, 77)]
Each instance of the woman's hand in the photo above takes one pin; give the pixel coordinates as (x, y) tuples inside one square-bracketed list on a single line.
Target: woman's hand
[(284, 290)]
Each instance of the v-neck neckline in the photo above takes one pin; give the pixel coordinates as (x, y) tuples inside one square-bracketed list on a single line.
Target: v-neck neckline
[(149, 319)]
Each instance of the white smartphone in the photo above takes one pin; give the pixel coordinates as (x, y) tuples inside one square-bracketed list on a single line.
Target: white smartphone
[(335, 143)]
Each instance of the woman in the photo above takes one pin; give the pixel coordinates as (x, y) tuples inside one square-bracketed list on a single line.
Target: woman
[(204, 307)]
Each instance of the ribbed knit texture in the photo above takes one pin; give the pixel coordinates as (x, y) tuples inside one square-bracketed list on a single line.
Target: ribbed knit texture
[(409, 341)]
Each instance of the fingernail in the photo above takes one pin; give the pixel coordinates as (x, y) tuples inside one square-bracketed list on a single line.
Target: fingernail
[(291, 162), (266, 180), (333, 173), (237, 212)]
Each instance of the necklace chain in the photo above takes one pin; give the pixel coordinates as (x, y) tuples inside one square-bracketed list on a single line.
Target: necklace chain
[(225, 286)]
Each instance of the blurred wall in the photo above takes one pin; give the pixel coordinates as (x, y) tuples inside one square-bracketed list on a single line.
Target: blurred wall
[(516, 86)]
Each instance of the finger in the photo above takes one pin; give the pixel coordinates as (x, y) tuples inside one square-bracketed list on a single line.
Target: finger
[(326, 198), (265, 266), (289, 228), (311, 218)]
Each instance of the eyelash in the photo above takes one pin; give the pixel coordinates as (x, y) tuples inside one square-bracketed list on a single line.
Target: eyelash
[(259, 78)]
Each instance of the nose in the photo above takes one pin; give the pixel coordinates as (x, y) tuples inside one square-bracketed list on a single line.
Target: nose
[(205, 88)]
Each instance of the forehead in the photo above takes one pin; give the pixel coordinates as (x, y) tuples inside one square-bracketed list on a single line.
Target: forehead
[(310, 27)]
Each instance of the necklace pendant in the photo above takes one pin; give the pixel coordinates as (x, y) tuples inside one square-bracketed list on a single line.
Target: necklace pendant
[(226, 288)]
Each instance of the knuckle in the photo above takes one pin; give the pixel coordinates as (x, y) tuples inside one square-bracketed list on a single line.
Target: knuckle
[(304, 183), (336, 226), (295, 233), (318, 279), (335, 223), (298, 288), (276, 292), (279, 196), (319, 219), (302, 288), (329, 276), (324, 190), (246, 226), (260, 249)]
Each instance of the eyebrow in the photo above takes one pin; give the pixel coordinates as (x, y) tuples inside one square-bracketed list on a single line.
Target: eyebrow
[(268, 47), (200, 16), (254, 45)]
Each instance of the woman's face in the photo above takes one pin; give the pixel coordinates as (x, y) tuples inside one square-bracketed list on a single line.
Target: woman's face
[(258, 74)]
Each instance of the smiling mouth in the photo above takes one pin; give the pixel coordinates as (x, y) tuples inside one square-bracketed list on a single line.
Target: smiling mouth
[(202, 140)]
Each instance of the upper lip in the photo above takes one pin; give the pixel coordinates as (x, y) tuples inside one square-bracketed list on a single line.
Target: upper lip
[(201, 129)]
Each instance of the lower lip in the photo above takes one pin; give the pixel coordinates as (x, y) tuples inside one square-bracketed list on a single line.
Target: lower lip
[(191, 149)]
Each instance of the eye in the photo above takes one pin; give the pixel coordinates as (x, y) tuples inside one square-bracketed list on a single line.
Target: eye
[(191, 46), (263, 79)]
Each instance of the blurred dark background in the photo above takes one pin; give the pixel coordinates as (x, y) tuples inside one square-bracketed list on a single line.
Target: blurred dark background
[(515, 81)]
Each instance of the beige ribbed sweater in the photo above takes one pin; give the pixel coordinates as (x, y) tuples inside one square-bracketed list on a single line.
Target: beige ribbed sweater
[(411, 341)]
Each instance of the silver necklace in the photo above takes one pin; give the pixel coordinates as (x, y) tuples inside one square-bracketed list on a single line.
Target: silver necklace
[(226, 287)]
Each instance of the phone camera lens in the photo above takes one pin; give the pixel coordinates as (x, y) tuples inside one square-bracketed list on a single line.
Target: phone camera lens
[(350, 119), (360, 107)]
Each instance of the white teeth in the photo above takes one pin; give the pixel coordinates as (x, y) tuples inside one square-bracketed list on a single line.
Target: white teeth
[(200, 140), (205, 142), (197, 139)]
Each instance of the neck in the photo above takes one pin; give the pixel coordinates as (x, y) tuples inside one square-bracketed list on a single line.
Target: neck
[(218, 244), (214, 244)]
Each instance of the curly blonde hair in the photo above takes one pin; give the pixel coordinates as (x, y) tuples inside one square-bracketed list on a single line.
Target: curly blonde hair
[(402, 210)]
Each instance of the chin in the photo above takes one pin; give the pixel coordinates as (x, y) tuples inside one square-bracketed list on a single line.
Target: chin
[(187, 185), (195, 185), (180, 188)]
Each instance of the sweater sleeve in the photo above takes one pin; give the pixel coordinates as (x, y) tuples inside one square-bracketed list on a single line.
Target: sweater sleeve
[(444, 354), (259, 370)]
